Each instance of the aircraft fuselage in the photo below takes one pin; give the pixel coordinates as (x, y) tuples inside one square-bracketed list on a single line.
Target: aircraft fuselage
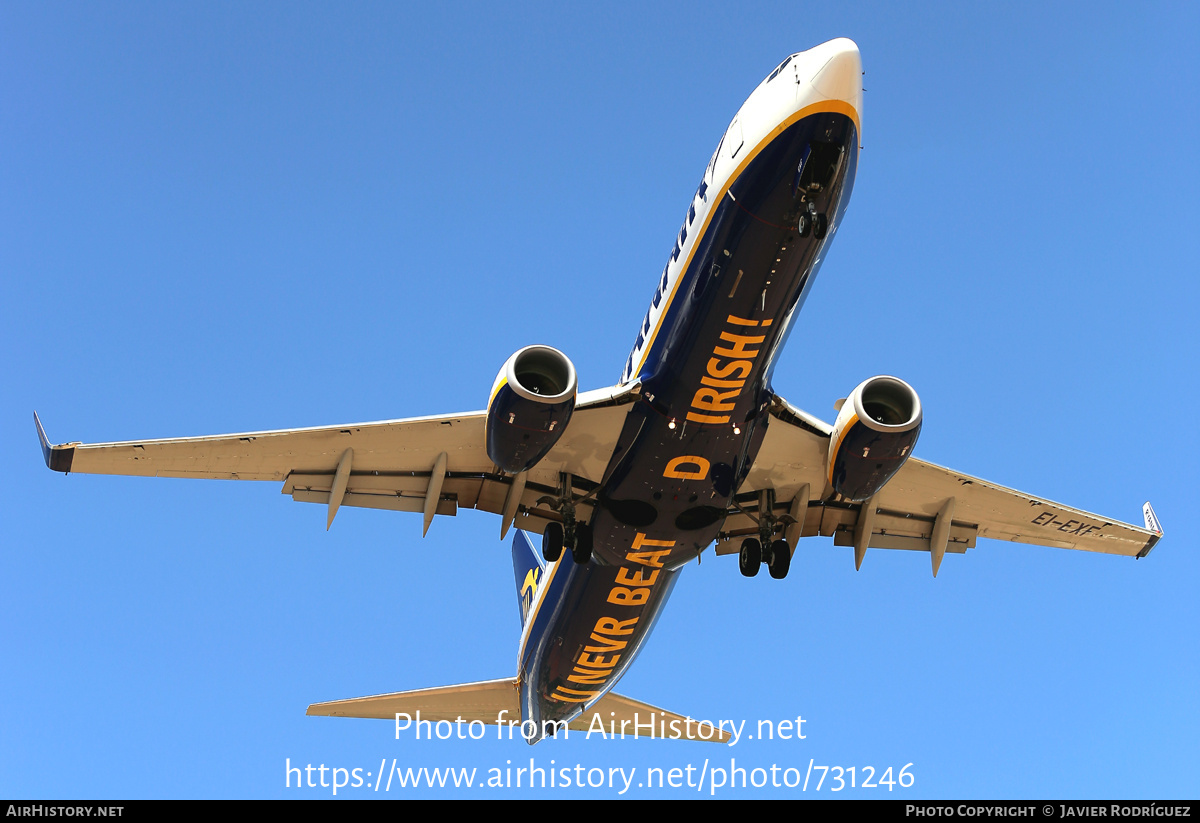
[(741, 267)]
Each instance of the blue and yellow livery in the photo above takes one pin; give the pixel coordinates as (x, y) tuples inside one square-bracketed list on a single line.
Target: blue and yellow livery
[(627, 485)]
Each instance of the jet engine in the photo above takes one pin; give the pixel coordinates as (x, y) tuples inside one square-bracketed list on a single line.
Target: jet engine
[(875, 431), (532, 401)]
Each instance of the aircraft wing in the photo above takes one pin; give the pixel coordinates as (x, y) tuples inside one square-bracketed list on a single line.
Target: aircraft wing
[(432, 465), (924, 507)]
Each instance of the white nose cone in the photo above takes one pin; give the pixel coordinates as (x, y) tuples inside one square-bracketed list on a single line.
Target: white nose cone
[(840, 74)]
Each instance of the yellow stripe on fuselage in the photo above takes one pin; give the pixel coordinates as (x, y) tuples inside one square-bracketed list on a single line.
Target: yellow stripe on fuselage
[(824, 107)]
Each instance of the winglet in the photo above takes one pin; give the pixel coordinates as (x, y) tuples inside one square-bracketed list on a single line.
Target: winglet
[(58, 458), (46, 448), (1152, 525)]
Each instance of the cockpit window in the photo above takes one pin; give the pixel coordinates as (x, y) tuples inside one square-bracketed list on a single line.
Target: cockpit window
[(775, 73)]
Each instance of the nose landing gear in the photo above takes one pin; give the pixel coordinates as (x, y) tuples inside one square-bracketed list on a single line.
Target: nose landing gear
[(817, 171), (812, 222)]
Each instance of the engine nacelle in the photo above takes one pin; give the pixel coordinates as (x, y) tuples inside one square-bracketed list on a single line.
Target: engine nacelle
[(532, 401), (875, 431)]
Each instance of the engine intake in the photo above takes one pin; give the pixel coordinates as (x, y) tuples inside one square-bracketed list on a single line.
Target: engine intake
[(875, 431), (531, 403)]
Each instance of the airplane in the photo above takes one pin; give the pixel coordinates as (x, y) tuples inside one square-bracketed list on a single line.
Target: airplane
[(628, 484)]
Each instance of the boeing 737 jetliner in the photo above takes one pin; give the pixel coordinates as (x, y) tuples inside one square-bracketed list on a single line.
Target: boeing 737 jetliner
[(628, 484)]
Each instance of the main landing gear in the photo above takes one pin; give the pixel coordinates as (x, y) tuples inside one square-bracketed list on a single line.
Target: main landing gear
[(570, 533), (555, 538), (778, 559), (778, 555)]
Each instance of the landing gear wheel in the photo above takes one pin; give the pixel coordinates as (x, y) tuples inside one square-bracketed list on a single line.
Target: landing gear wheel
[(552, 542), (582, 552), (781, 559), (804, 224), (820, 226), (750, 557)]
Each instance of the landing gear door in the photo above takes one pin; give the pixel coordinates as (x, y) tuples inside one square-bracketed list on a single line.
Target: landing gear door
[(796, 188), (818, 168)]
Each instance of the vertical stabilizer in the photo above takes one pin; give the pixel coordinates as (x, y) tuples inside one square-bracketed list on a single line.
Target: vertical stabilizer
[(527, 568)]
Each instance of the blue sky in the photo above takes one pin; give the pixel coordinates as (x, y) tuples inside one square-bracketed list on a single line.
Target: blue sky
[(226, 218)]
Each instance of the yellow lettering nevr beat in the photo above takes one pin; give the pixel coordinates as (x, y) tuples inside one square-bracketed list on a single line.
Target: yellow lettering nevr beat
[(626, 485)]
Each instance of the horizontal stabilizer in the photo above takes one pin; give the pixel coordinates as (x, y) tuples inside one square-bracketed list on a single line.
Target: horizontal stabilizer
[(495, 702), (483, 701)]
